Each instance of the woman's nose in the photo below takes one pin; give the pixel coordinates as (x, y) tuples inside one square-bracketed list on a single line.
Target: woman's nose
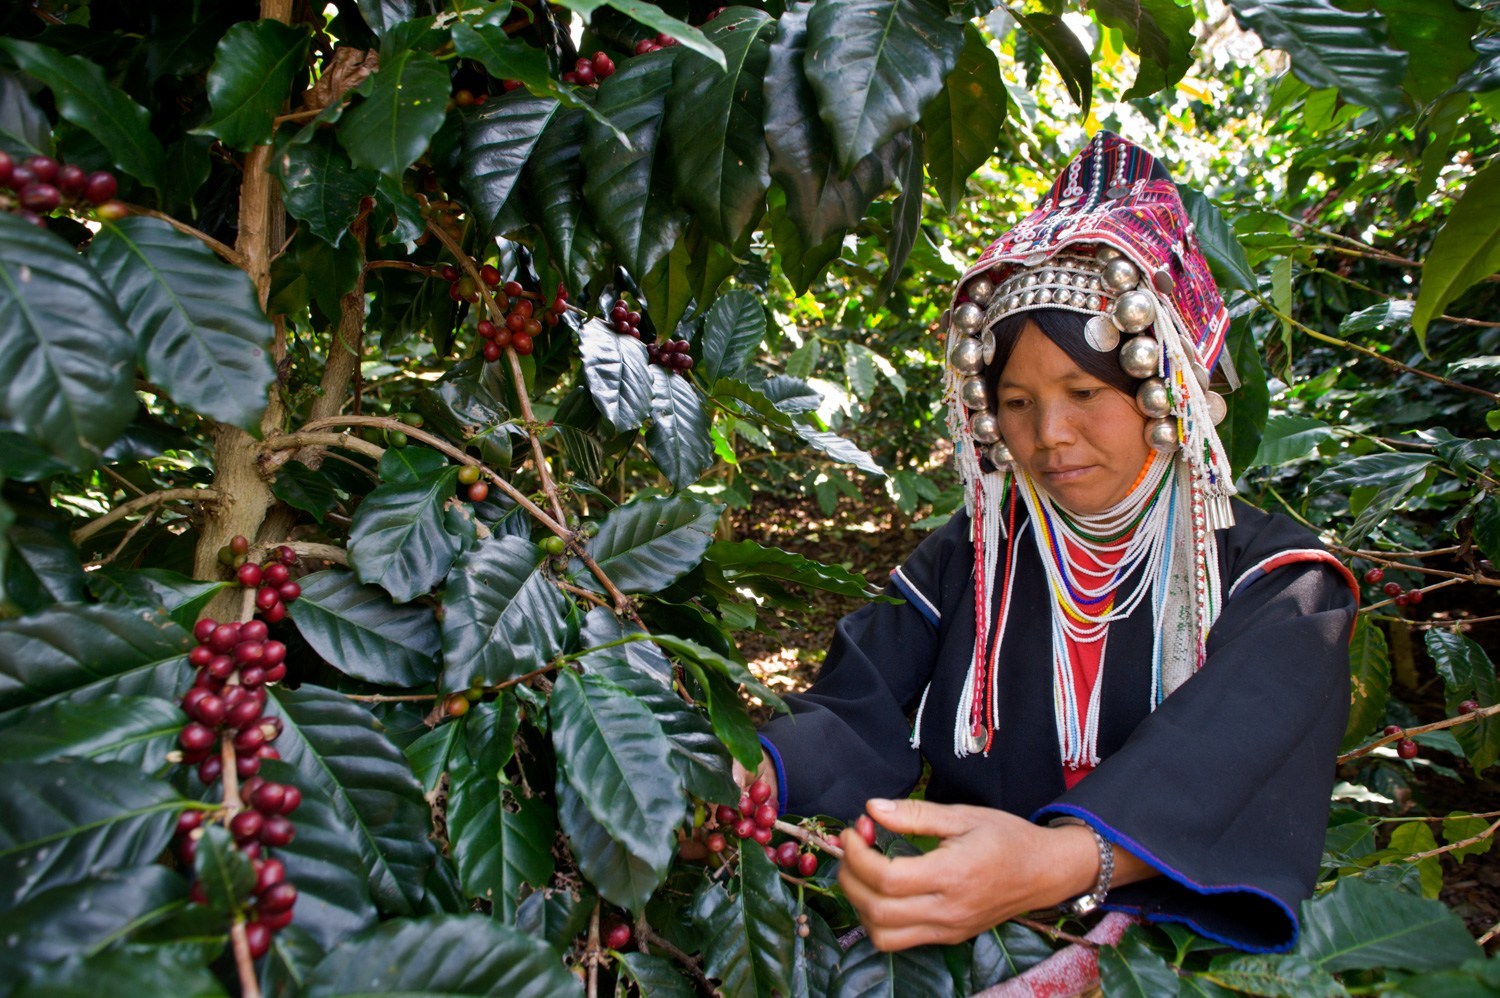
[(1055, 425)]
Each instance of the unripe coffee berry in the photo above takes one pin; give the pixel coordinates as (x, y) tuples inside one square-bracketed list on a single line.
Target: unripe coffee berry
[(456, 705), (469, 474)]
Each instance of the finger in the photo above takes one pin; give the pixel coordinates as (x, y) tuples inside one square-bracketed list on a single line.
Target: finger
[(888, 877), (920, 817)]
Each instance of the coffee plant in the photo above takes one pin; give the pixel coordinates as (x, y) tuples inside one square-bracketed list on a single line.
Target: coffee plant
[(377, 378)]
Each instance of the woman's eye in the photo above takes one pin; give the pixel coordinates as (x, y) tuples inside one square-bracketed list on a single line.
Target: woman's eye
[(1084, 394), (1014, 405)]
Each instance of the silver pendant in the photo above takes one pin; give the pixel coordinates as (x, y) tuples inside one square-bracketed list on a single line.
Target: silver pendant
[(1101, 333), (987, 343), (1163, 281), (1217, 407)]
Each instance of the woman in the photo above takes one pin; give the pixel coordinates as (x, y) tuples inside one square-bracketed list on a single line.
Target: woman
[(1129, 691)]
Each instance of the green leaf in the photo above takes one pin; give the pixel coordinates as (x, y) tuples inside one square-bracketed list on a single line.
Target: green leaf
[(324, 862), (555, 917), (137, 730), (1465, 251), (1330, 47), (384, 16), (736, 672), (498, 141), (677, 438), (727, 388), (1004, 952), (815, 960), (820, 203), (618, 375), (90, 651), (66, 821), (629, 188), (1131, 968), (225, 873), (744, 561), (859, 370), (1358, 925), (408, 465), (321, 187), (85, 98), (1468, 674), (748, 935), (1460, 826), (403, 537), (302, 488), (66, 357), (1380, 470), (1369, 677), (503, 617), (1487, 527), (406, 103), (658, 20), (1054, 37), (732, 332), (1288, 975), (1391, 318), (79, 919), (647, 544), (429, 754), (866, 971), (24, 129), (1221, 247), (839, 449), (177, 595), (1290, 438), (1409, 839), (964, 124), (251, 80), (613, 752), (652, 975), (790, 394), (621, 876), (501, 839), (714, 124), (555, 183), (442, 955), (874, 65), (336, 747), (601, 627), (202, 334), (359, 631), (130, 970), (1161, 32), (726, 712)]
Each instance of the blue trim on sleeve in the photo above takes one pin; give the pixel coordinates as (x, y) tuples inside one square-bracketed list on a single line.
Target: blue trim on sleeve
[(914, 598), (781, 793), (1121, 839)]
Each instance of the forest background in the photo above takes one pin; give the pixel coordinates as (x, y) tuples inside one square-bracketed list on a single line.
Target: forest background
[(343, 327)]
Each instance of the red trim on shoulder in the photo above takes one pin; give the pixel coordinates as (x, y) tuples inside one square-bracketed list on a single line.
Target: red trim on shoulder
[(1294, 556)]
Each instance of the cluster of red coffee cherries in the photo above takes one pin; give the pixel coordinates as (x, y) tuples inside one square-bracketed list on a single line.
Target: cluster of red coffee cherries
[(755, 819), (271, 580), (234, 661), (1399, 595), (673, 355), (40, 185), (589, 70), (625, 320)]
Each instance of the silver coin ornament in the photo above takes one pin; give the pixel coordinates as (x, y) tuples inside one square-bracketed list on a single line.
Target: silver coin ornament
[(974, 742), (1101, 334), (1201, 373), (985, 428), (1120, 274), (1217, 407), (1000, 455), (1135, 311), (987, 343), (1139, 356), (1161, 435), (967, 318), (1153, 399), (973, 393), (1162, 281), (967, 356), (981, 289)]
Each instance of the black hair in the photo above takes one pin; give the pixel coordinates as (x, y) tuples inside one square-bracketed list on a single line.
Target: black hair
[(1064, 328)]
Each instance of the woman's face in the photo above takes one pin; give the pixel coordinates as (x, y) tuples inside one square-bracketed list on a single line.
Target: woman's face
[(1078, 438)]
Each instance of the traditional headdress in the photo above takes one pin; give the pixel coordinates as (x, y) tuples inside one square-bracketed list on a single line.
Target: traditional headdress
[(1111, 241)]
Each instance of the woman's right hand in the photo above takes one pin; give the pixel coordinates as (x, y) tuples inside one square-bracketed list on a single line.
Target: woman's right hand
[(765, 771)]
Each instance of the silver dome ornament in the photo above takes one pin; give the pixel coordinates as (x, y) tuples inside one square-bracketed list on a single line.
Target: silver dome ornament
[(967, 356), (1217, 407), (973, 393), (1153, 399), (1044, 296), (1000, 455), (1162, 281), (967, 318), (984, 427), (1139, 356), (1078, 299), (1106, 253), (1120, 274), (1135, 311), (980, 290), (1101, 334), (987, 342), (1161, 435)]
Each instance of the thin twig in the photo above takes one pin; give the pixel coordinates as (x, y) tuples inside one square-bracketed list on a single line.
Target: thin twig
[(229, 254), (244, 963), (649, 935), (415, 268), (1453, 846), (1425, 589), (591, 955), (391, 697), (807, 838), (1450, 722), (1055, 933), (1434, 553), (1456, 622), (1396, 563), (135, 528), (592, 597), (123, 510)]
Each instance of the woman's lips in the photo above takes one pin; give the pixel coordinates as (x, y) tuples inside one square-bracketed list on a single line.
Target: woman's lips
[(1067, 474)]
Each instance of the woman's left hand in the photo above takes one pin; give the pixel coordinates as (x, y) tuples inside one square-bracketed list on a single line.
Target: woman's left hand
[(989, 866)]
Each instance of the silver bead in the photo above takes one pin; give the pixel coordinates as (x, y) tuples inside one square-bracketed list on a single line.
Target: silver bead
[(1135, 311), (1000, 455), (987, 341), (1217, 407), (973, 393), (1101, 334), (1161, 435), (974, 742), (1064, 279), (1047, 277), (1106, 253), (1120, 274), (1012, 303), (1094, 303), (985, 428), (1029, 281), (1078, 299), (967, 356), (1028, 298), (967, 318), (1044, 296), (980, 290), (1152, 398), (1139, 356)]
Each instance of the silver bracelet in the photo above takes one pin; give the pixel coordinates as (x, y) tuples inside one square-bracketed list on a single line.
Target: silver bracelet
[(1088, 903)]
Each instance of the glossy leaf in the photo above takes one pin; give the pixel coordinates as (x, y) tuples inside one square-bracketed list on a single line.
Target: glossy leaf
[(225, 874), (359, 631), (24, 129), (1277, 974), (1290, 438), (300, 487), (620, 876), (677, 438), (964, 123), (67, 821), (1248, 404), (1221, 247), (385, 15), (906, 218), (86, 99), (647, 544), (840, 449), (613, 752), (501, 839), (1161, 31), (815, 958), (503, 617), (629, 189), (251, 80), (442, 955), (866, 971), (1374, 469), (726, 712), (714, 125), (732, 332), (748, 934), (1357, 925), (654, 17), (748, 560), (1465, 251), (322, 188), (404, 107), (44, 561), (335, 746), (130, 970), (1130, 968), (1370, 679), (601, 627), (618, 375), (555, 181), (201, 333), (404, 538), (1004, 952), (555, 917), (874, 65), (736, 672), (137, 730), (498, 141), (1468, 674), (66, 356), (429, 754), (652, 975), (1053, 36), (173, 593)]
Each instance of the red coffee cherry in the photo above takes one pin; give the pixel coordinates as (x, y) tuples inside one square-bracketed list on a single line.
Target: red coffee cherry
[(203, 628), (716, 842), (1391, 588), (1406, 748), (254, 630), (258, 935), (99, 188), (1414, 596), (762, 835), (248, 575), (277, 831), (786, 854), (745, 827), (760, 791), (1468, 706), (279, 897), (1374, 575), (276, 573), (617, 936), (246, 825), (196, 737), (865, 826), (765, 815), (807, 864), (292, 801), (268, 874), (726, 815)]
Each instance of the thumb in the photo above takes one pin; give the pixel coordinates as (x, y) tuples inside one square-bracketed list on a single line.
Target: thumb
[(920, 817)]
